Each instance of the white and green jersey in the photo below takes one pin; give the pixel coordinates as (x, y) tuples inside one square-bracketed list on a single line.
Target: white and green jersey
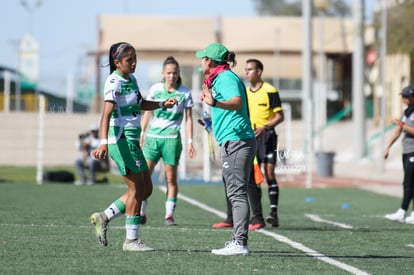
[(126, 117), (167, 123)]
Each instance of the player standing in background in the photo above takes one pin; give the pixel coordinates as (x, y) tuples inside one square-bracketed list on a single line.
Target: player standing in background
[(163, 139)]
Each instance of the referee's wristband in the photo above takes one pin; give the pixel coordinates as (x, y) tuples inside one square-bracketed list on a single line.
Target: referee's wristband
[(104, 141), (190, 141)]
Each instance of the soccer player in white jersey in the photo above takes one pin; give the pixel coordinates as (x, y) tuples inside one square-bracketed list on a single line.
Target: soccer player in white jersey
[(120, 129), (163, 138)]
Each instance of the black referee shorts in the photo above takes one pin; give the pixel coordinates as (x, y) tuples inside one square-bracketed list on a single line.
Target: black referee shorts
[(266, 147)]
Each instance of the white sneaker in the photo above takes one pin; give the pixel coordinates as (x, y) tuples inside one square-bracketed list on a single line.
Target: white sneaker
[(397, 216), (79, 182), (232, 248), (410, 219), (136, 245)]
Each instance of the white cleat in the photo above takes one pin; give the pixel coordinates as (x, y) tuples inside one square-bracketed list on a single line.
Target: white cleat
[(136, 245)]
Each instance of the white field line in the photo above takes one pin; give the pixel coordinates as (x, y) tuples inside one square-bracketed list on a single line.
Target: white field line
[(410, 245), (316, 218), (278, 237)]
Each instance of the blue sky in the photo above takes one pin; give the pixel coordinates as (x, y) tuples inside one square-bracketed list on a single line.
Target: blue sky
[(66, 29)]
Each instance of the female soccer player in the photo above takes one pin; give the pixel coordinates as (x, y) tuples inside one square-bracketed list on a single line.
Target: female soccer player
[(163, 139), (119, 132)]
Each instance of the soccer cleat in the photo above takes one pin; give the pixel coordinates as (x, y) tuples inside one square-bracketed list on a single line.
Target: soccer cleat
[(410, 219), (256, 226), (222, 224), (169, 221), (136, 245), (143, 219), (273, 220), (256, 223), (398, 216), (232, 248), (101, 226)]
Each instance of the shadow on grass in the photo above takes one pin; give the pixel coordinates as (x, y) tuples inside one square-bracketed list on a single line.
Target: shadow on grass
[(290, 254)]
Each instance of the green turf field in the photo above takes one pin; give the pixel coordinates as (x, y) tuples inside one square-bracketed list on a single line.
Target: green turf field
[(44, 229)]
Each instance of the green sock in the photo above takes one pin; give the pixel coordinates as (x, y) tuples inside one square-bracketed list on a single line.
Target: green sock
[(115, 209)]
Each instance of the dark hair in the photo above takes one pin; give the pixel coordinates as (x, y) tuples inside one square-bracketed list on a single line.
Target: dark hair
[(230, 57), (172, 60), (116, 52), (259, 64)]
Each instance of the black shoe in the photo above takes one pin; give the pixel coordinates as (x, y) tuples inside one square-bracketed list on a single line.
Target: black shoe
[(143, 219), (273, 220)]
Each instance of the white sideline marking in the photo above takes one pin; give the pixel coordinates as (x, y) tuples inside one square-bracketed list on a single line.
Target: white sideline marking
[(278, 237), (313, 253), (410, 245), (316, 218)]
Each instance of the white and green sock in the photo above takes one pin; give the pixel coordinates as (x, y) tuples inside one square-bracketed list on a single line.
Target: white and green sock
[(115, 209), (170, 204), (132, 227)]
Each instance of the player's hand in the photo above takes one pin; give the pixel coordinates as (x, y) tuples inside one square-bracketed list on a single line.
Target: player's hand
[(191, 151), (207, 95), (259, 131), (386, 154), (169, 103), (101, 152)]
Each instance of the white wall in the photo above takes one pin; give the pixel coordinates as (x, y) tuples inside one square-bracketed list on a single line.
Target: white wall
[(19, 137)]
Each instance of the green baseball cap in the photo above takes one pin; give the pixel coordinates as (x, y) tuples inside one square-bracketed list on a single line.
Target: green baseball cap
[(214, 51)]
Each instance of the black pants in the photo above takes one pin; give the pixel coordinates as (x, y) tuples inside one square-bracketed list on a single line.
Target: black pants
[(408, 182)]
